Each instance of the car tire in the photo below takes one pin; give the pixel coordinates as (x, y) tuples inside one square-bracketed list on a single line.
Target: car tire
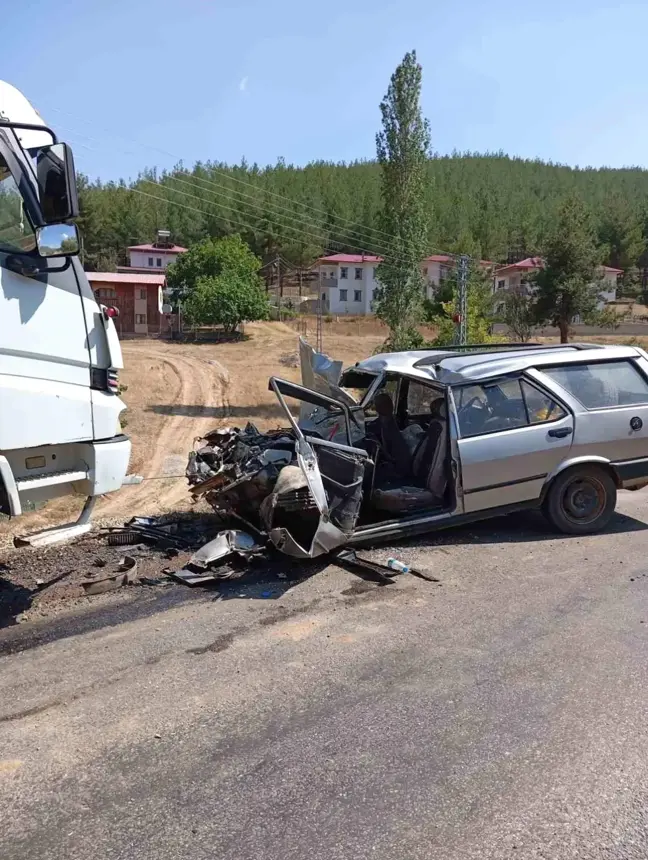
[(581, 500)]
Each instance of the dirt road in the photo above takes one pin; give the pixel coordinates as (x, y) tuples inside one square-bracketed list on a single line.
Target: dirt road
[(199, 388)]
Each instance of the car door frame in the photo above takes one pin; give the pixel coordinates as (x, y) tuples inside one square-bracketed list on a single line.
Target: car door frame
[(327, 536), (477, 497)]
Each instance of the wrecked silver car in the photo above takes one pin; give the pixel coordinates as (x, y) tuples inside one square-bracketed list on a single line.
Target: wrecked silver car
[(404, 443)]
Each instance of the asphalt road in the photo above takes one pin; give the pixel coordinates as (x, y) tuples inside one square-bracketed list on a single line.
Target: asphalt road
[(501, 714)]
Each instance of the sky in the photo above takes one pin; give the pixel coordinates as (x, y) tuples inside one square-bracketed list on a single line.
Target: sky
[(135, 83)]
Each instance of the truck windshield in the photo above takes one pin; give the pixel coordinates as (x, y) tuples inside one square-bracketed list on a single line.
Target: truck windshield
[(16, 233)]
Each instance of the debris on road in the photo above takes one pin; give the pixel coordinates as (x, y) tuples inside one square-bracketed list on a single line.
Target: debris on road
[(204, 565), (126, 575)]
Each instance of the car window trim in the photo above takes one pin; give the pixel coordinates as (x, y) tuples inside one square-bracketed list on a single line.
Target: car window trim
[(533, 384), (521, 375), (627, 359)]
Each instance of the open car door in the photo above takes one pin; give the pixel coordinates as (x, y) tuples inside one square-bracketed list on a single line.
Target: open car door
[(314, 506)]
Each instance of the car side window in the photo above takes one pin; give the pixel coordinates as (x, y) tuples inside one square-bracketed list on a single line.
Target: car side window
[(390, 387), (540, 406), (490, 407), (601, 384), (419, 397)]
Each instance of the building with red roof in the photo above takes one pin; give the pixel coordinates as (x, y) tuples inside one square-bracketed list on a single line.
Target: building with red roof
[(348, 282), (137, 297), (152, 258), (516, 276)]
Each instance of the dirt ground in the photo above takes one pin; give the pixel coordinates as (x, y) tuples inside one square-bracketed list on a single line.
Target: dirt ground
[(175, 392)]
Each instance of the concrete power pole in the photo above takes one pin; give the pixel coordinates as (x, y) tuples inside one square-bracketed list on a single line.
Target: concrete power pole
[(461, 312)]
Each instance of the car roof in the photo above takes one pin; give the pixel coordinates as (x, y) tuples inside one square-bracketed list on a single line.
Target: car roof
[(455, 365)]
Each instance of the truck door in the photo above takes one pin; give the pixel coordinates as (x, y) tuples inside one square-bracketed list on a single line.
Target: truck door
[(44, 357)]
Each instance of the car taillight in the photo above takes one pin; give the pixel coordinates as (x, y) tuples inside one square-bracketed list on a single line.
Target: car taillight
[(110, 313)]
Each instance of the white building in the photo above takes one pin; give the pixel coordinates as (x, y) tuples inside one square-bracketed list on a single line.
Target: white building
[(154, 258), (348, 282), (518, 275)]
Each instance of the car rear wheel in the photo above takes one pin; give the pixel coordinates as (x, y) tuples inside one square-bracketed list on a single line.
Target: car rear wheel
[(581, 500)]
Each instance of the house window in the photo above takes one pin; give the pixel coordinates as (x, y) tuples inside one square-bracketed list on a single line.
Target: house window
[(142, 294), (425, 271), (106, 293), (597, 385), (140, 319), (358, 274), (357, 295), (150, 261), (323, 297), (444, 272), (344, 272), (159, 262), (374, 273), (343, 295), (501, 285)]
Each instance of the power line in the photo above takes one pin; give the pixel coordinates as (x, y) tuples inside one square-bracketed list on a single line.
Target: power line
[(325, 231), (366, 231), (193, 209), (320, 237)]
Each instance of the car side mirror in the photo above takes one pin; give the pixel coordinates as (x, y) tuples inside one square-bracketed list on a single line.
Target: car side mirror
[(56, 183), (57, 240)]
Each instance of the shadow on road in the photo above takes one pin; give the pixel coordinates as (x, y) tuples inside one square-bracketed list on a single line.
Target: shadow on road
[(523, 527), (14, 599)]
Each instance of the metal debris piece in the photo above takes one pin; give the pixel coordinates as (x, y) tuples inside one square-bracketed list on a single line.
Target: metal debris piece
[(126, 575), (127, 563), (123, 537), (226, 544), (135, 532), (383, 572)]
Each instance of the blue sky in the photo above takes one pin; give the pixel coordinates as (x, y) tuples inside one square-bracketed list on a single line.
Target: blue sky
[(135, 83)]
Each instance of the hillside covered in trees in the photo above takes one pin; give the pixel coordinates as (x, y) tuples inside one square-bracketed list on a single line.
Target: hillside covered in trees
[(493, 206)]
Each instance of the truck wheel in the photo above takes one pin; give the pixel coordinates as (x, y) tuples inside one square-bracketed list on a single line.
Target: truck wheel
[(581, 500)]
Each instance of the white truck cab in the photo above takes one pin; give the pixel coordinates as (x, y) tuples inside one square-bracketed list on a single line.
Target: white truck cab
[(59, 351)]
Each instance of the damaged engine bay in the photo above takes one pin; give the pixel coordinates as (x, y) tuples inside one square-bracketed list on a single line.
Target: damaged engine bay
[(267, 483), (313, 486)]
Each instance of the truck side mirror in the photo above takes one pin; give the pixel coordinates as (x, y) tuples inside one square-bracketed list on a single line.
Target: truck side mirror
[(56, 183), (57, 240)]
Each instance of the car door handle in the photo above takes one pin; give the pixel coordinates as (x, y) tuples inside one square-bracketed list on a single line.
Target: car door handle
[(560, 432)]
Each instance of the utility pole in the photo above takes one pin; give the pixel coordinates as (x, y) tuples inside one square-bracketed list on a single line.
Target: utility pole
[(319, 334), (461, 310)]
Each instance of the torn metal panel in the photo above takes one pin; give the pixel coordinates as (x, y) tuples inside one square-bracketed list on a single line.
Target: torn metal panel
[(322, 374), (223, 545)]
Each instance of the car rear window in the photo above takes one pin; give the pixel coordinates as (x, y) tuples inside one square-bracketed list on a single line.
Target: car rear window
[(602, 384)]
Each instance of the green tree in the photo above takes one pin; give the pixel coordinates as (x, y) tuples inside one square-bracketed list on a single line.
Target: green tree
[(403, 149), (567, 285), (225, 300), (219, 283), (480, 311), (622, 241), (518, 314)]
